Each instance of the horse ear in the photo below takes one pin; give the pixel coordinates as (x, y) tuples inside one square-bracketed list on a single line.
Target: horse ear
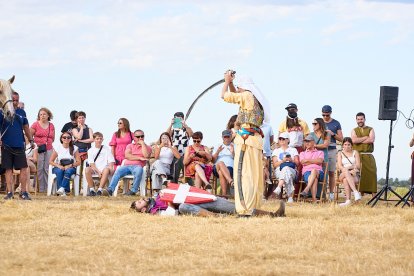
[(11, 80)]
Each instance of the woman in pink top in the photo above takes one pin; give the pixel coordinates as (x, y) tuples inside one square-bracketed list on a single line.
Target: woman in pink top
[(43, 132), (120, 140)]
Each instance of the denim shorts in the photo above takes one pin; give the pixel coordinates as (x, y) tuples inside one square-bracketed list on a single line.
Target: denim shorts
[(307, 174)]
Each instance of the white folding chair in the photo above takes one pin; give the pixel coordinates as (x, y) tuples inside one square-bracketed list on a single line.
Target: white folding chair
[(142, 184), (85, 190), (51, 182)]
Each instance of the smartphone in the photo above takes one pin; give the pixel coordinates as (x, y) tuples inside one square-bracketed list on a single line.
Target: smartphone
[(178, 122)]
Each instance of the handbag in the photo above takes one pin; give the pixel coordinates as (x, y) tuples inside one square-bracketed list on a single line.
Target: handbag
[(42, 148), (66, 161), (288, 164)]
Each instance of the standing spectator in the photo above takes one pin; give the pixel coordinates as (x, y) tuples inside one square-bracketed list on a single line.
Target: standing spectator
[(333, 127), (296, 127), (267, 151), (64, 159), (180, 133), (248, 162), (82, 135), (136, 156), (233, 125), (72, 124), (321, 137), (311, 160), (363, 138), (12, 143), (120, 140), (164, 155), (224, 161), (43, 132), (101, 162), (285, 162)]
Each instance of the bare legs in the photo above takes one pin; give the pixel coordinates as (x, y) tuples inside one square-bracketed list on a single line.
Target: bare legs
[(200, 177), (312, 184), (349, 183), (224, 176)]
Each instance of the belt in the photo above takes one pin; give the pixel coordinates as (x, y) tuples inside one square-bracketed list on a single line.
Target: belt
[(366, 153), (249, 131)]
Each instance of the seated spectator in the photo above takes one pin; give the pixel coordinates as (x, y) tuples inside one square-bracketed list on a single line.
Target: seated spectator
[(285, 161), (64, 159), (180, 133), (210, 209), (120, 140), (322, 139), (43, 132), (349, 164), (136, 156), (82, 135), (311, 160), (101, 162), (224, 159), (164, 155), (72, 124), (196, 161)]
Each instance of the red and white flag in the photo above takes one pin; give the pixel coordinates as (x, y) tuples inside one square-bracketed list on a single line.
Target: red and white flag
[(184, 193)]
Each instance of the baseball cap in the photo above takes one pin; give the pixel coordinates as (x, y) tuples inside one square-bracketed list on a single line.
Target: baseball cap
[(291, 105), (226, 133), (179, 114), (327, 109), (284, 135), (309, 138)]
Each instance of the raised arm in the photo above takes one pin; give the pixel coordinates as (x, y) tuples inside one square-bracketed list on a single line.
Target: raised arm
[(228, 83)]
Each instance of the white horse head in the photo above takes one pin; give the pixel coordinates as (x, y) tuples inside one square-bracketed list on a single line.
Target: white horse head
[(6, 102)]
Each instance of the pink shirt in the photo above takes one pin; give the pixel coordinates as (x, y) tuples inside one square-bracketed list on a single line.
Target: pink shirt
[(120, 144), (311, 154), (137, 151), (41, 134)]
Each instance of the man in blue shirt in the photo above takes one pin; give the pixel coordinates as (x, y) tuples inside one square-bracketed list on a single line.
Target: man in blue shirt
[(333, 127), (12, 147)]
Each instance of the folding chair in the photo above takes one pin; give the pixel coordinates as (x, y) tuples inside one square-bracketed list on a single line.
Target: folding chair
[(322, 184), (52, 186)]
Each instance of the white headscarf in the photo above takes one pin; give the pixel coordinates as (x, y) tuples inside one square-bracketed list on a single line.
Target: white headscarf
[(248, 84)]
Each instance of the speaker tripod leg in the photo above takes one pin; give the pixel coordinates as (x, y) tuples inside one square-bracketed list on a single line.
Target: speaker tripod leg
[(406, 198), (375, 199)]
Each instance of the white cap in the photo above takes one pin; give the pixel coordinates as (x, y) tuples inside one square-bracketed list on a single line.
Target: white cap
[(284, 135)]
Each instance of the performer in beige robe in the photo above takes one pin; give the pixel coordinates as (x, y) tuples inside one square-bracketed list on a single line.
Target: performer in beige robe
[(363, 138), (253, 110)]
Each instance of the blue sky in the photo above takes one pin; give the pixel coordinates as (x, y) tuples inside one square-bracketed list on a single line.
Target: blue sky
[(146, 60)]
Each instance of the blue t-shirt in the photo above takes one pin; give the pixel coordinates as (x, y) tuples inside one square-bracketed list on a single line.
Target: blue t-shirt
[(320, 141), (333, 126), (13, 131)]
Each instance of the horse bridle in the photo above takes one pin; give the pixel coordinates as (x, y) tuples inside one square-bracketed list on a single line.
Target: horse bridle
[(6, 102)]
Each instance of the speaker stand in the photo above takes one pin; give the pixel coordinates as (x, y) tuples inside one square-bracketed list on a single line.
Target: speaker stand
[(387, 188)]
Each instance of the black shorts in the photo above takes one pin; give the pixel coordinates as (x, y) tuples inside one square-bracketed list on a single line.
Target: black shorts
[(13, 158)]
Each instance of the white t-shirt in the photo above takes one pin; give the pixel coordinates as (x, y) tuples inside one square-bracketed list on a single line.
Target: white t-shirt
[(166, 155), (64, 153), (104, 158), (225, 155), (281, 153)]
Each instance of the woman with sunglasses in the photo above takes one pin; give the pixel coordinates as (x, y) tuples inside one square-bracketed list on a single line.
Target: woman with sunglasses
[(64, 159), (164, 154), (321, 137), (349, 164), (196, 161), (285, 161), (120, 139)]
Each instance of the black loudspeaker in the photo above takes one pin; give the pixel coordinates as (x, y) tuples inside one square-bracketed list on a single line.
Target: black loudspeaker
[(388, 103)]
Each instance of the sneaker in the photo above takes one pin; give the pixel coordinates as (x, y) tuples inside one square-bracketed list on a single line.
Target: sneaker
[(107, 192), (304, 194), (9, 196), (99, 193), (357, 196), (25, 196), (346, 203), (130, 193), (92, 193), (331, 196), (60, 191), (278, 190), (64, 194), (290, 200)]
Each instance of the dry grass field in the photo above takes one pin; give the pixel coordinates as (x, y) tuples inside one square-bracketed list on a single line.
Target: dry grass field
[(101, 236)]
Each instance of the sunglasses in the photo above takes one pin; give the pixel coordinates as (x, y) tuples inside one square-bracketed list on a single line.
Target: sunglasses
[(66, 137), (196, 140), (314, 124), (326, 115), (140, 136), (226, 136), (282, 139)]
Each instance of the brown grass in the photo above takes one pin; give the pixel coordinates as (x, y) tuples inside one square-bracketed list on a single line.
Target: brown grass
[(101, 236)]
